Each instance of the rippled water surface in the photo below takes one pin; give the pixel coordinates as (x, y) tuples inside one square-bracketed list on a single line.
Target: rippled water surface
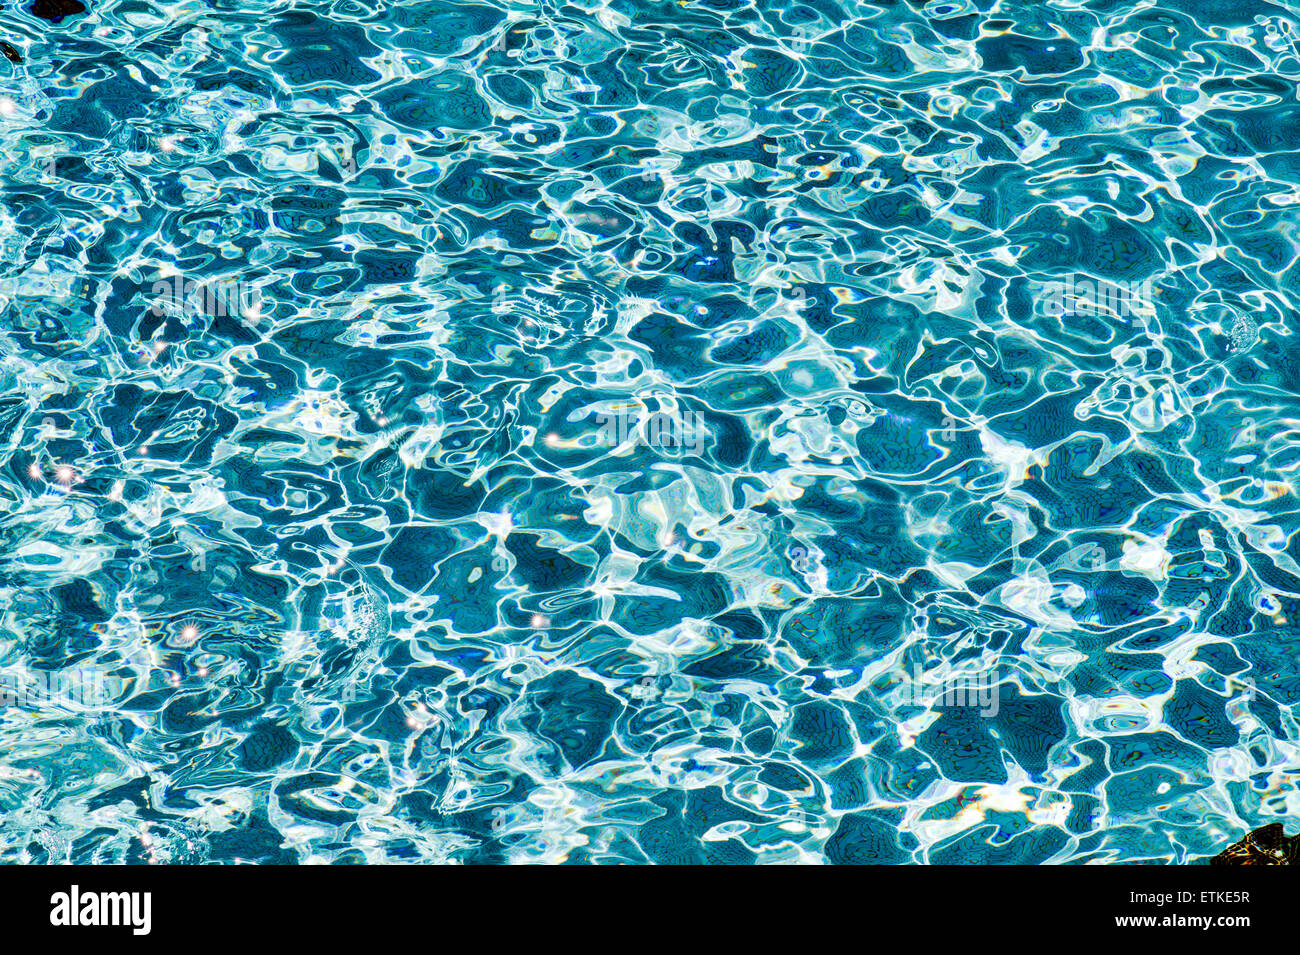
[(648, 432)]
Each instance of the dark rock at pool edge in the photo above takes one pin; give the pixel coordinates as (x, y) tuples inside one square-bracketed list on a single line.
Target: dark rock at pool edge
[(1267, 845), (56, 10)]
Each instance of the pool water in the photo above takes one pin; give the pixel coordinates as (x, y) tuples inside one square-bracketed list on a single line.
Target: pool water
[(648, 432)]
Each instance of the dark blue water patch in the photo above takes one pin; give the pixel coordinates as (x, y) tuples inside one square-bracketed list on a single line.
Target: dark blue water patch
[(320, 50), (266, 748), (56, 11), (446, 100), (575, 715), (1034, 56), (869, 838)]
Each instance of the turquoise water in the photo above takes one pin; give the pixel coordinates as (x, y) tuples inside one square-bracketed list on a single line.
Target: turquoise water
[(647, 432)]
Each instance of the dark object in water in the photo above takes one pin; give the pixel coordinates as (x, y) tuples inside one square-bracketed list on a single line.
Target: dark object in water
[(56, 10), (12, 55), (1267, 845)]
